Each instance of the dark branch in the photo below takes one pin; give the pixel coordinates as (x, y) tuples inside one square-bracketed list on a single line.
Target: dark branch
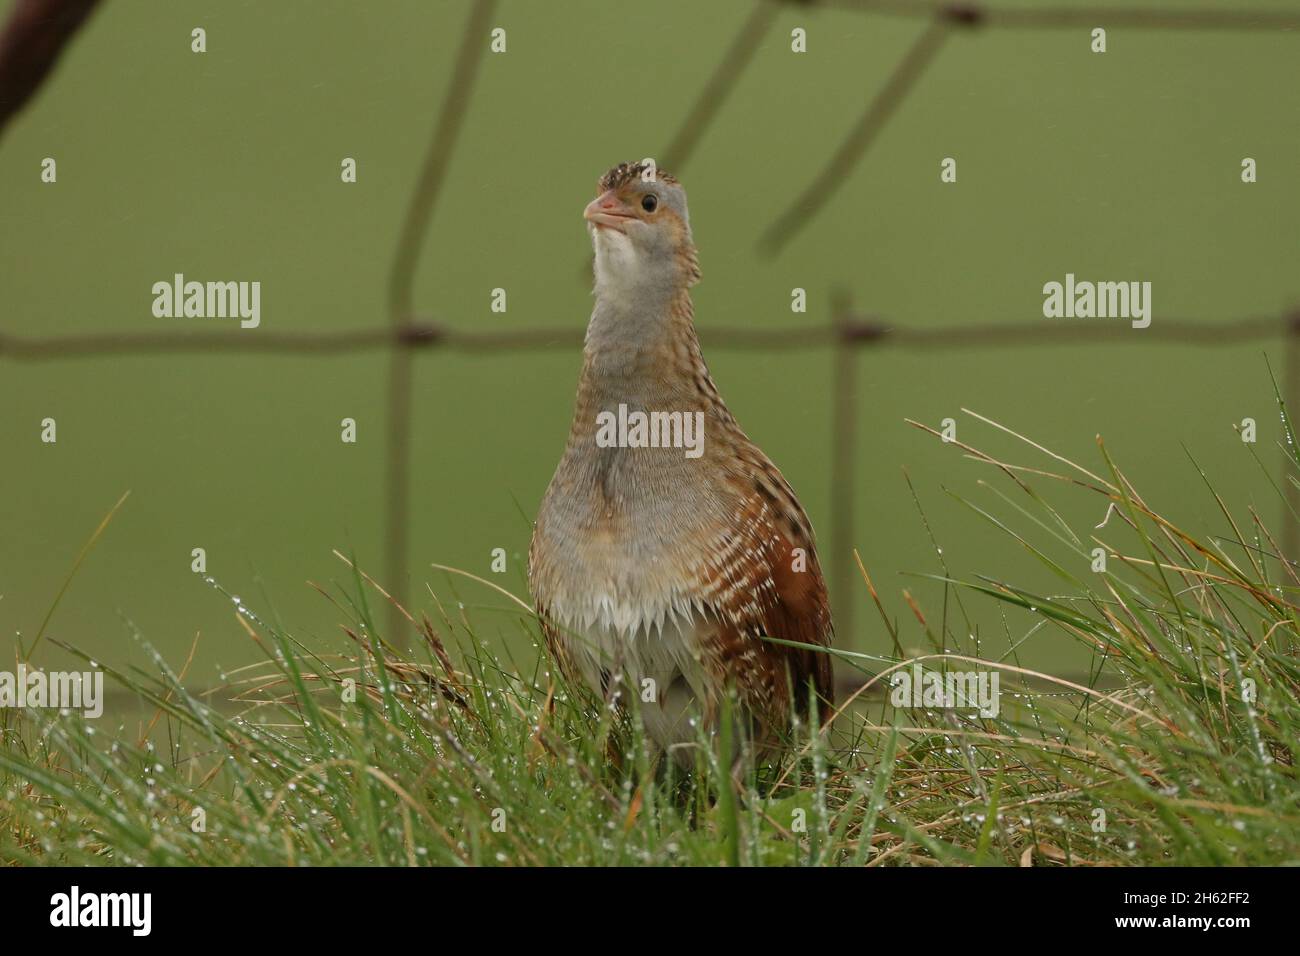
[(30, 45)]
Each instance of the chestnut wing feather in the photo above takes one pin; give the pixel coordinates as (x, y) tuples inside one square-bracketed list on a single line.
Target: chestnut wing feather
[(766, 582)]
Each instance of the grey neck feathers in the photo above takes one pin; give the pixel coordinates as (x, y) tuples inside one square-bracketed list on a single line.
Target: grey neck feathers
[(640, 322)]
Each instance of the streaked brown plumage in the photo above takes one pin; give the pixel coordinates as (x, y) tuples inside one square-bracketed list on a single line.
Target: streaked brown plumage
[(650, 565)]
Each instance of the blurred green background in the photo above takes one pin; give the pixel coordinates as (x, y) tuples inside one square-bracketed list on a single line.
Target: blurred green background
[(225, 165)]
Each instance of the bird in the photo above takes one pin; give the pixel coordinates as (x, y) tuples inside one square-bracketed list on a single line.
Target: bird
[(668, 548)]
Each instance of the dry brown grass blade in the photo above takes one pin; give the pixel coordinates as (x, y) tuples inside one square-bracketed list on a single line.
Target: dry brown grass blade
[(916, 608), (180, 678), (1009, 470), (880, 607), (1046, 451), (493, 585), (1259, 594)]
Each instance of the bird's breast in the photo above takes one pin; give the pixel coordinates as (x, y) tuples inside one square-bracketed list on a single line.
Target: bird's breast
[(621, 549)]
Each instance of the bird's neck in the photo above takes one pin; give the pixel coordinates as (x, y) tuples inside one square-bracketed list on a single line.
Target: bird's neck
[(641, 349)]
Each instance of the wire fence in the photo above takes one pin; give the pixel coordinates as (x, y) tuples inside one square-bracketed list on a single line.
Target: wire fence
[(846, 334)]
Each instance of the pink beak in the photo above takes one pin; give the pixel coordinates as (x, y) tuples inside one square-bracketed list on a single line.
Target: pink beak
[(607, 210)]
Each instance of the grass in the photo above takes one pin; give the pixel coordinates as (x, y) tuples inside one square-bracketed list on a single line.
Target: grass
[(1177, 749)]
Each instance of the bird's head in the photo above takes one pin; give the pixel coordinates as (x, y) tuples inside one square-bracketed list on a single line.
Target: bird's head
[(640, 229)]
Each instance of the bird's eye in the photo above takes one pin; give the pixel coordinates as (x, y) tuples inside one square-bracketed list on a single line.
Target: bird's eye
[(649, 202)]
